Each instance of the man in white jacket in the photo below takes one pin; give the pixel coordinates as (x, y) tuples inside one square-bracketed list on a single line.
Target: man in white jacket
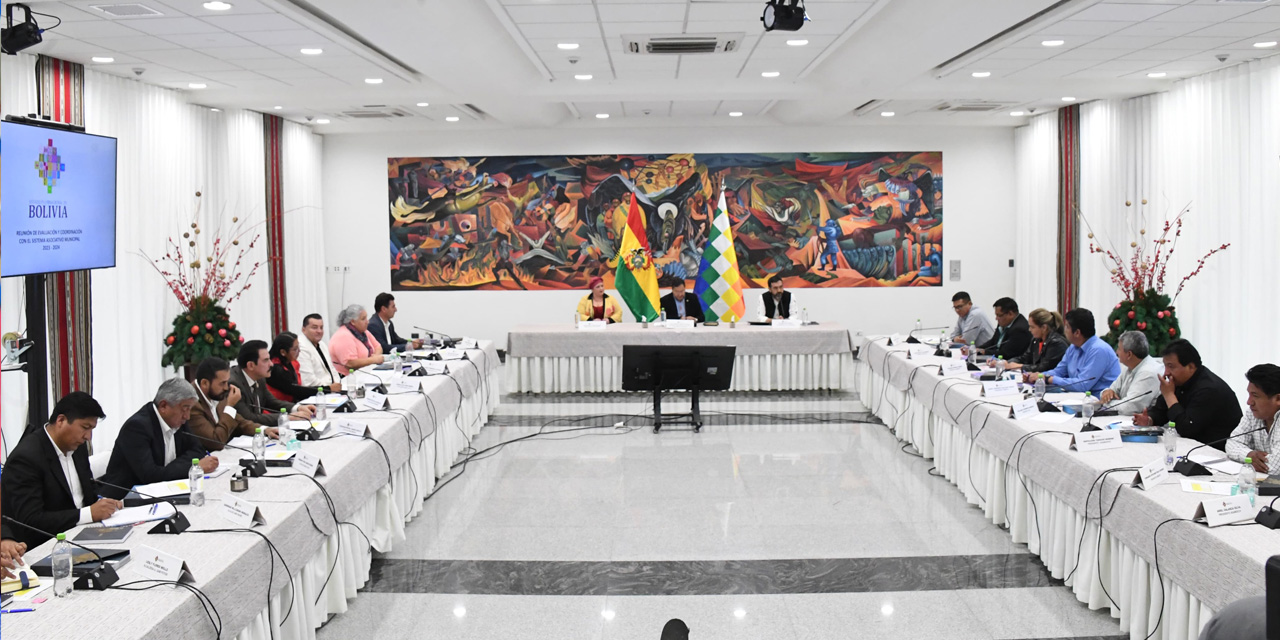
[(1140, 380), (313, 361)]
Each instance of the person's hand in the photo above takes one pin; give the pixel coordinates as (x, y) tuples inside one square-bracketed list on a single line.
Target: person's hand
[(1029, 377), (380, 359), (305, 411), (964, 351), (1107, 396), (337, 386), (690, 318), (1142, 419), (233, 396), (14, 550), (272, 432), (209, 464), (1259, 461), (104, 508), (1166, 389), (417, 344), (7, 566), (1013, 366)]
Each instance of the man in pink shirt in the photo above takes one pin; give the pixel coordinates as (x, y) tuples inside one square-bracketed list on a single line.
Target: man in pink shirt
[(352, 346)]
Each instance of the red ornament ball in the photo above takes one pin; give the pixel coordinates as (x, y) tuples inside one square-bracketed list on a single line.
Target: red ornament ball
[(1142, 326), (1169, 313), (241, 338), (1173, 331), (169, 340), (1117, 305), (1116, 324), (208, 326), (222, 333), (231, 325), (226, 343), (1131, 314), (1160, 314), (195, 330), (191, 340)]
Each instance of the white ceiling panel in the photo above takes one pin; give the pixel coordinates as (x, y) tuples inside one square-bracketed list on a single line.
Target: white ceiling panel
[(95, 29), (643, 12), (237, 53), (196, 7), (551, 13), (133, 43), (709, 67), (242, 23), (1128, 42), (220, 39), (1053, 68), (1235, 29), (694, 108), (264, 64), (1074, 28), (638, 109), (1265, 14), (171, 26), (1206, 13), (234, 76), (1122, 11), (1165, 29), (1193, 43), (1091, 53), (615, 30), (300, 37), (568, 30)]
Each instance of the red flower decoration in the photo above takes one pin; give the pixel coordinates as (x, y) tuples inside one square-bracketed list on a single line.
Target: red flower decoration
[(222, 333), (1131, 314), (169, 340), (195, 330), (208, 326), (226, 343), (191, 340)]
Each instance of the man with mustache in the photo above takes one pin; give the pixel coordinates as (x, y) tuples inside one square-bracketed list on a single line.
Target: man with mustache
[(214, 418)]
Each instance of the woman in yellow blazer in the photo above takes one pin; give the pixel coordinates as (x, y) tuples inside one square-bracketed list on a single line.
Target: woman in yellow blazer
[(597, 305)]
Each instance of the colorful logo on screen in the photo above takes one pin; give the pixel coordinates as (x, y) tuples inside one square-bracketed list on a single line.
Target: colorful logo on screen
[(50, 166)]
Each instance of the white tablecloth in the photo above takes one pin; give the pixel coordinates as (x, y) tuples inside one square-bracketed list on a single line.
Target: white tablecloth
[(973, 443), (561, 359)]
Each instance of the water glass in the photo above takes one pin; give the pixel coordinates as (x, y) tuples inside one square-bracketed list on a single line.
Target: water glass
[(1169, 438)]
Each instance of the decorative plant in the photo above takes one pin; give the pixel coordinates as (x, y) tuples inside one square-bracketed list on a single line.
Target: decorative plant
[(1146, 306), (203, 286)]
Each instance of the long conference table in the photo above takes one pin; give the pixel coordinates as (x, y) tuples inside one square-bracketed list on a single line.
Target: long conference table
[(376, 485), (565, 359), (1041, 489)]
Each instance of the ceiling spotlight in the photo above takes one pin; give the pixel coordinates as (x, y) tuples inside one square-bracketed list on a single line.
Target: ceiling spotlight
[(981, 74), (1157, 74), (217, 6), (277, 107), (322, 121), (602, 116), (739, 613), (1265, 45), (197, 85), (582, 76), (567, 46), (770, 74), (1052, 43), (17, 37), (424, 104), (311, 52), (103, 59), (1069, 99), (373, 80), (886, 609), (215, 110), (1017, 113), (735, 114), (459, 611), (797, 43), (451, 119), (783, 15), (887, 114), (608, 614)]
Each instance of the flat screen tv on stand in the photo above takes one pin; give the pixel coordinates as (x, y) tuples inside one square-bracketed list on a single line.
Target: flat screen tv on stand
[(659, 368)]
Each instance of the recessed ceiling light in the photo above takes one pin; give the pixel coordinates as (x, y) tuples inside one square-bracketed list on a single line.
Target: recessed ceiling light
[(797, 43), (1265, 45), (608, 614), (103, 59), (981, 74), (1052, 43), (1157, 74), (451, 119), (311, 52), (373, 80), (770, 74), (582, 76), (197, 85), (602, 116), (277, 107), (1017, 113), (322, 121), (735, 114), (424, 104), (567, 46), (460, 611), (739, 613), (887, 114), (215, 110), (217, 6), (1068, 99)]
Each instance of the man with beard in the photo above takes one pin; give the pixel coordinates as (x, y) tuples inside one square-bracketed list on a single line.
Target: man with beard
[(214, 419)]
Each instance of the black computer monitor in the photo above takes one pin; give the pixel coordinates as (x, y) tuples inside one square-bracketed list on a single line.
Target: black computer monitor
[(646, 367)]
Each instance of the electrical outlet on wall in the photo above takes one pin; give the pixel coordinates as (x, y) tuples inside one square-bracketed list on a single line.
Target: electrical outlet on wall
[(955, 270)]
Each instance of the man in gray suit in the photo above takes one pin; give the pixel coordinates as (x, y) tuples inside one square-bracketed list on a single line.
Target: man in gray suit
[(256, 402)]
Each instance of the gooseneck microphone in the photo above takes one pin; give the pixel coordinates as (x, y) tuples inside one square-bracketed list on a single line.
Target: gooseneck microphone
[(173, 525), (911, 339), (253, 466), (448, 339), (97, 579), (1186, 467), (1088, 425)]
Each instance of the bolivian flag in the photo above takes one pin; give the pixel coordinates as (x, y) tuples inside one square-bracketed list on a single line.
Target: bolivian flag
[(636, 280)]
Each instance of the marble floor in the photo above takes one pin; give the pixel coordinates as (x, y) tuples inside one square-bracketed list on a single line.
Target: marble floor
[(791, 515)]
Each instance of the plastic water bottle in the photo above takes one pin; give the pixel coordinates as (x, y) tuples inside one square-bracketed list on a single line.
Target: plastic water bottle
[(942, 339), (1169, 438), (195, 480), (804, 315), (662, 316), (999, 365), (1039, 388), (62, 562), (260, 442), (322, 408), (575, 319), (972, 357), (918, 326), (1086, 407), (1247, 484)]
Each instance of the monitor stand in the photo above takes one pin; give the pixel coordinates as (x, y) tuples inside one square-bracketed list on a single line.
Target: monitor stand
[(694, 417)]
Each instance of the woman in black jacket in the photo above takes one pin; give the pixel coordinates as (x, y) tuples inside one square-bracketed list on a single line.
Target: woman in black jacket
[(284, 381), (1047, 344)]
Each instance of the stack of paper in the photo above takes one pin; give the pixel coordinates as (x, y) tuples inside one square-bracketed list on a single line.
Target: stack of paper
[(134, 515), (163, 489)]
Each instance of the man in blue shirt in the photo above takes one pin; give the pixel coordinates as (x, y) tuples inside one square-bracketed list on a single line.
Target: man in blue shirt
[(1090, 364)]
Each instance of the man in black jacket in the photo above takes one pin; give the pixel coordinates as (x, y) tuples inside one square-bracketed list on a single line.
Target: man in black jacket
[(1013, 334), (153, 444), (250, 377), (777, 302), (1192, 397), (47, 482), (688, 307), (384, 309)]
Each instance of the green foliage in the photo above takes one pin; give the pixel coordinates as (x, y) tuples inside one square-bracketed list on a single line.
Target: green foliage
[(1151, 314), (203, 325)]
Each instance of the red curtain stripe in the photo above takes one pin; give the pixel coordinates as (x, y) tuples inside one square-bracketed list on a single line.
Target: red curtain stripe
[(1068, 207), (272, 128)]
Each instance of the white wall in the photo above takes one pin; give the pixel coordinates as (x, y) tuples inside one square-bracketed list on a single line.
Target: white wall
[(979, 205)]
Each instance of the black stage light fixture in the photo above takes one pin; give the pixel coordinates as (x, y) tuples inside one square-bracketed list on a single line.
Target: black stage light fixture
[(783, 15), (26, 34)]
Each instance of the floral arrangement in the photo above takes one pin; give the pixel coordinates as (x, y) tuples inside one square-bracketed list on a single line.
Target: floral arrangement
[(1146, 307), (203, 285)]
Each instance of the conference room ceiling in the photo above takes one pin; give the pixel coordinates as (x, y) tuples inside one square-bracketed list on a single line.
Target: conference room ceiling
[(493, 64)]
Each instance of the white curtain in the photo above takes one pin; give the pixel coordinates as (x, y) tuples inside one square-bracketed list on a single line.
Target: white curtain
[(303, 230), (1212, 142), (1036, 158)]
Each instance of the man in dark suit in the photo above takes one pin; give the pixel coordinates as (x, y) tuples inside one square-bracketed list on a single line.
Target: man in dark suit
[(214, 419), (680, 305), (256, 402), (777, 302), (384, 309), (153, 444), (47, 481), (1013, 333), (1200, 403)]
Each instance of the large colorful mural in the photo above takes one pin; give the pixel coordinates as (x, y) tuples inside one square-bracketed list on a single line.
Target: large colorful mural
[(554, 222)]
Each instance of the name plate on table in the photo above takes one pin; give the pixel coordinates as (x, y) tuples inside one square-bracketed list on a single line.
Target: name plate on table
[(917, 351), (158, 565), (592, 325), (374, 400), (1096, 440), (241, 513), (1150, 475), (351, 428), (955, 369), (1029, 408), (434, 367), (468, 343), (1000, 388), (404, 385), (1219, 511), (786, 323), (452, 354), (308, 463), (681, 324)]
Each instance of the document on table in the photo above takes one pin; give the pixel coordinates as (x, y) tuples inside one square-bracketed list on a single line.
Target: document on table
[(163, 489), (135, 515), (331, 400), (1217, 462)]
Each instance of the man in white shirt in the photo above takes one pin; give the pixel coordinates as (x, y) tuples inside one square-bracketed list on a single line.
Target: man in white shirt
[(314, 367), (1255, 438), (47, 481), (974, 325), (1140, 380)]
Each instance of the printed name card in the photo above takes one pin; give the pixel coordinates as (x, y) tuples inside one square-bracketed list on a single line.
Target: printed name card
[(452, 354), (920, 351), (468, 343), (955, 368), (1219, 511), (1029, 408), (1096, 440), (681, 324), (1150, 475), (434, 367), (592, 325), (308, 463), (999, 388), (404, 385), (351, 428), (792, 323), (158, 565), (374, 400), (241, 513)]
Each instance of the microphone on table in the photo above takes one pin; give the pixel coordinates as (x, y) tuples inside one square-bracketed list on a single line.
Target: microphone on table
[(174, 524), (911, 339), (380, 388), (254, 467), (1186, 467), (1088, 424), (97, 579), (448, 341)]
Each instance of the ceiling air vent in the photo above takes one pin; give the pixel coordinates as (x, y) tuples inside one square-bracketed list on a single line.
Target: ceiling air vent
[(971, 106), (126, 10), (682, 44), (367, 114)]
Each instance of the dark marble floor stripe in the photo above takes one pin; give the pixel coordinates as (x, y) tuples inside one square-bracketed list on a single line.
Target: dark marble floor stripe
[(1124, 636), (708, 577), (709, 418)]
